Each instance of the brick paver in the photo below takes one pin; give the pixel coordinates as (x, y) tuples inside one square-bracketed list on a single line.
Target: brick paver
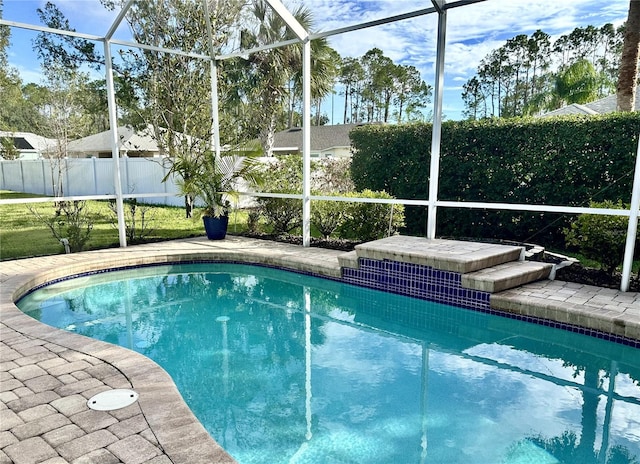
[(46, 378)]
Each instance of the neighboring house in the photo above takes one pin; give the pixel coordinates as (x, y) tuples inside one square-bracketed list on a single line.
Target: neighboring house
[(29, 145), (326, 141), (604, 105), (133, 144)]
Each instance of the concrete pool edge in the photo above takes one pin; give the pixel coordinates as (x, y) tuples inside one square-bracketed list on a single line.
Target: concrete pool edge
[(179, 433)]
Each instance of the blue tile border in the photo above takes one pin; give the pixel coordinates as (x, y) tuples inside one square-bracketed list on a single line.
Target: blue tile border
[(417, 281), (427, 283)]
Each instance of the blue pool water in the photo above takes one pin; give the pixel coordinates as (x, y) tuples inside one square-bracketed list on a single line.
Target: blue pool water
[(287, 368)]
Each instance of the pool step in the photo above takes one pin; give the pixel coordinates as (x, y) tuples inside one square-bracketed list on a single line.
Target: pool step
[(483, 266), (505, 276), (447, 255)]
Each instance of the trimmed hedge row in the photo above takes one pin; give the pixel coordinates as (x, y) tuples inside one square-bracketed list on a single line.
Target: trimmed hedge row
[(552, 161)]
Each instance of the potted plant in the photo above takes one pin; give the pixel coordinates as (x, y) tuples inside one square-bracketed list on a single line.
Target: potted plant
[(213, 182)]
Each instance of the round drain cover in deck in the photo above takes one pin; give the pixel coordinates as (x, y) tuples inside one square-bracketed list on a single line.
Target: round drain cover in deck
[(112, 399)]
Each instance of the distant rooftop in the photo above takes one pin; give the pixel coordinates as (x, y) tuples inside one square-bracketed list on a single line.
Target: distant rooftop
[(28, 141), (602, 106), (130, 141), (323, 138)]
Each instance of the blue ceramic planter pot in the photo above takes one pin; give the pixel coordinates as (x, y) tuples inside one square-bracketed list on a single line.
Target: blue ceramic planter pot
[(216, 227)]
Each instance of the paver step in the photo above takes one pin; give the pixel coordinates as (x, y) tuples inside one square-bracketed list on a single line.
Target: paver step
[(507, 275), (483, 266), (447, 255)]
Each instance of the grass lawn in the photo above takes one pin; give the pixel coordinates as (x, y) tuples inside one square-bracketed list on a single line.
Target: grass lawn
[(23, 235)]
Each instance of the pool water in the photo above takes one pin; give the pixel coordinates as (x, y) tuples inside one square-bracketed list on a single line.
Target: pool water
[(286, 368)]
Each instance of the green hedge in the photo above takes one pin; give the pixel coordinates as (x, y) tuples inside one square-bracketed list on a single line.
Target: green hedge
[(553, 161)]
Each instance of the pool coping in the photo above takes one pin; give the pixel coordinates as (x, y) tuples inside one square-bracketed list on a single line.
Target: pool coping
[(179, 434)]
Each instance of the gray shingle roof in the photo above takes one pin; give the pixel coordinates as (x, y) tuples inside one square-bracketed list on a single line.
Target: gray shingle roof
[(322, 137), (574, 108), (602, 106), (610, 103), (29, 141), (130, 140)]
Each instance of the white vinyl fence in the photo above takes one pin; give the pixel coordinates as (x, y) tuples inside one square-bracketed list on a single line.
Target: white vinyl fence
[(90, 176)]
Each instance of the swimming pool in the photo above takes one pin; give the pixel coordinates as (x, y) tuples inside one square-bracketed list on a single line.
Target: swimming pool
[(283, 367)]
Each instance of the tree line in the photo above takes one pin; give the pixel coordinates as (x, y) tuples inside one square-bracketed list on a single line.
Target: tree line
[(530, 75), (260, 92)]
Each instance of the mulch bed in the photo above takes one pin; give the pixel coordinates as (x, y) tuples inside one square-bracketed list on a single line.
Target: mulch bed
[(586, 275)]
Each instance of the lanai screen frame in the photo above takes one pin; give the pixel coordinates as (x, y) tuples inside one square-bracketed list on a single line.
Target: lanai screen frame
[(440, 7)]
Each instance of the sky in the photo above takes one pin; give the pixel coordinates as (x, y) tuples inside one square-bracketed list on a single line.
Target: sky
[(473, 31)]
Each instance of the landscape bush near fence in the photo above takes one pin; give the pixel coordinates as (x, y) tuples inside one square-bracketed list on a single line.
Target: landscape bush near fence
[(555, 161)]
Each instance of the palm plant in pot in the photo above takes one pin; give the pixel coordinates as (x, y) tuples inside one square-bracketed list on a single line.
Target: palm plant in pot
[(214, 182)]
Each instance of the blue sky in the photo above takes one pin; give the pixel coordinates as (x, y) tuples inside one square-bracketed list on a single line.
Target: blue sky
[(473, 31)]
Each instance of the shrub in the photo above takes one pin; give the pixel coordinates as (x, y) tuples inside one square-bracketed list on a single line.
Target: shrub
[(332, 175), (370, 221), (354, 221), (253, 220), (554, 161), (601, 238), (282, 214), (283, 175), (326, 215), (71, 222), (137, 219)]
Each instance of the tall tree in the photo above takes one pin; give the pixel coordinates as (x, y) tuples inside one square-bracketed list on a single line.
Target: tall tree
[(72, 53), (539, 51), (8, 87), (174, 89), (608, 61), (67, 51), (351, 77), (268, 73), (379, 84), (5, 34), (474, 99), (377, 89), (412, 94), (10, 82), (325, 62), (18, 110), (325, 66), (628, 77), (64, 116)]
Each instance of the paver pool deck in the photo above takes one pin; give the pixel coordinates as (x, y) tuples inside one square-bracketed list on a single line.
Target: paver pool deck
[(47, 375)]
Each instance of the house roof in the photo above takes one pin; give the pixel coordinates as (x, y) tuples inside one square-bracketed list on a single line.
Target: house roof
[(604, 105), (130, 140), (323, 138), (609, 104), (27, 141), (573, 108)]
